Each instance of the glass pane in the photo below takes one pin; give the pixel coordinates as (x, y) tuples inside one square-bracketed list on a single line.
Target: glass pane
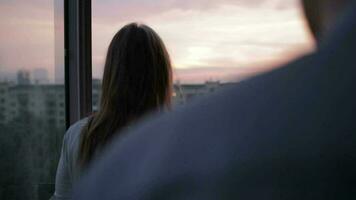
[(32, 97), (211, 43)]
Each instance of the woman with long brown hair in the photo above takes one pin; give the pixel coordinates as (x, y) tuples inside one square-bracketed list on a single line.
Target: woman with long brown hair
[(137, 80)]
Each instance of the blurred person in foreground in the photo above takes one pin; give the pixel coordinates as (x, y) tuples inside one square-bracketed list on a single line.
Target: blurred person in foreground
[(137, 80), (287, 134)]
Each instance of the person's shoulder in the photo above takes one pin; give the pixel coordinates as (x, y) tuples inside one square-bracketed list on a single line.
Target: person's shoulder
[(74, 131), (78, 125)]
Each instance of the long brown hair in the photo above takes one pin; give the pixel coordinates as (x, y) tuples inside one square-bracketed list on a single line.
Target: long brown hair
[(137, 79)]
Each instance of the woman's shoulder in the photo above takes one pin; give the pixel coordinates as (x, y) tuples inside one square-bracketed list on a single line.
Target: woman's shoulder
[(74, 131)]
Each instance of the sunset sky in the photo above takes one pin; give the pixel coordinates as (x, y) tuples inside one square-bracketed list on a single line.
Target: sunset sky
[(207, 39)]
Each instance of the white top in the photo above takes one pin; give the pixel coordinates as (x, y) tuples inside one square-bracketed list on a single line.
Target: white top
[(68, 170)]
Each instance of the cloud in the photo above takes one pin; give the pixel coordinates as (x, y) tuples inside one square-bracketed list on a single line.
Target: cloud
[(217, 73), (122, 10), (207, 36), (227, 35)]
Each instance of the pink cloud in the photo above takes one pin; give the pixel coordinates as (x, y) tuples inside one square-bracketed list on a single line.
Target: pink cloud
[(27, 32), (114, 11)]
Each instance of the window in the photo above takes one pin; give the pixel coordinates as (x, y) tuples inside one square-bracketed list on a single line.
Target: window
[(32, 66), (61, 113), (210, 43), (51, 103), (51, 112)]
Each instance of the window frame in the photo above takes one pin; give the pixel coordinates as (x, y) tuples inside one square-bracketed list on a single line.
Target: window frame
[(78, 59)]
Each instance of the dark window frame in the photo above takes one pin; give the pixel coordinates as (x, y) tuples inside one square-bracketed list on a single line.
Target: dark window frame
[(78, 59)]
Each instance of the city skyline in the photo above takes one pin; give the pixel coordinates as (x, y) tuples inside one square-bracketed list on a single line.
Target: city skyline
[(206, 39)]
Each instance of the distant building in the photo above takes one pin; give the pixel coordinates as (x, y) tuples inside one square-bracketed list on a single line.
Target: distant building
[(23, 77), (184, 93), (3, 102), (45, 102)]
